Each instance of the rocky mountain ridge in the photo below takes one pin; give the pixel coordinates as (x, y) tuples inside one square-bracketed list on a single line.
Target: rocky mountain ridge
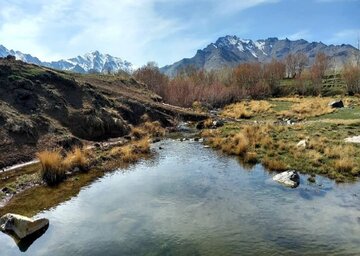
[(231, 51)]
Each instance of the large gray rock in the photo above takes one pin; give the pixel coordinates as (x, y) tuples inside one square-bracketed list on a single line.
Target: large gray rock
[(22, 226), (336, 104), (288, 178)]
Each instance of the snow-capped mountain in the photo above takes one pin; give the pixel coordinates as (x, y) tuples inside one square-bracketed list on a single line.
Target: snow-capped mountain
[(231, 51), (90, 62)]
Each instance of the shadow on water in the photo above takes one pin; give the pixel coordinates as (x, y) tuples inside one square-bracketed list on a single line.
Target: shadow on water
[(26, 242)]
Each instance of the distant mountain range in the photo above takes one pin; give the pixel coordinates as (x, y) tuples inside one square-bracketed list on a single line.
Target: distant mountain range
[(90, 62), (231, 51)]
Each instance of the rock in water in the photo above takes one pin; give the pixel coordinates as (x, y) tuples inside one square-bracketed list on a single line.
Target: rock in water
[(288, 178), (337, 104), (22, 226)]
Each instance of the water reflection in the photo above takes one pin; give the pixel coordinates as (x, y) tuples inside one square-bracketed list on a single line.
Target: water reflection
[(26, 242)]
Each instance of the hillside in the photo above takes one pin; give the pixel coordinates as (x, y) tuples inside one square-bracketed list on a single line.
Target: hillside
[(231, 51), (42, 108)]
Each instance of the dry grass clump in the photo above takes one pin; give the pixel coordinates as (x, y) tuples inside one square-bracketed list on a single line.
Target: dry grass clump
[(52, 167), (309, 107), (258, 135), (209, 133), (351, 101), (274, 164), (208, 123), (138, 132), (148, 129), (154, 129), (318, 143), (246, 109), (215, 142), (77, 157), (251, 157), (249, 138), (132, 152), (315, 157), (197, 106), (290, 99), (235, 145), (339, 151), (344, 165)]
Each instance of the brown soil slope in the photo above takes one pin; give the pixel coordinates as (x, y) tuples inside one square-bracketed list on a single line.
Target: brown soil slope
[(42, 108)]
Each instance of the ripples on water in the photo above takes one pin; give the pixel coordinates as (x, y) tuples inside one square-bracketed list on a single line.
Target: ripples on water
[(193, 201)]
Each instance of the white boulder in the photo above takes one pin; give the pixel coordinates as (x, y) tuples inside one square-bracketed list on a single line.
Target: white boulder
[(302, 144), (22, 226), (288, 178), (354, 139)]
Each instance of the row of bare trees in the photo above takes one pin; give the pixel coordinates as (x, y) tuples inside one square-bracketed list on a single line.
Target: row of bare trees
[(249, 80)]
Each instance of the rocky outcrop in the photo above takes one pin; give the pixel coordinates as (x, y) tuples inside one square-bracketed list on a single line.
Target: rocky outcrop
[(20, 225), (288, 178)]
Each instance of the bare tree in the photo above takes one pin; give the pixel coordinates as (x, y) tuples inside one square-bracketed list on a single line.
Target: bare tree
[(295, 64), (150, 75), (318, 70), (301, 61), (274, 72), (290, 63), (351, 76)]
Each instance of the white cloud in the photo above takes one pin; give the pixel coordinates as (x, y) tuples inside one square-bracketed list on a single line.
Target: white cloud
[(346, 35), (231, 6), (302, 34), (126, 28)]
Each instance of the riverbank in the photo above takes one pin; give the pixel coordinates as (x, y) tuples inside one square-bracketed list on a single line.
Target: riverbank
[(24, 192), (304, 134)]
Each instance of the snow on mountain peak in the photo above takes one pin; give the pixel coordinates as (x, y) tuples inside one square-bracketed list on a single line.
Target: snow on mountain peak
[(89, 62)]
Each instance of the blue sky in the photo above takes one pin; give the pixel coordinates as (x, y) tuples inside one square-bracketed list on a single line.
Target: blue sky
[(167, 30)]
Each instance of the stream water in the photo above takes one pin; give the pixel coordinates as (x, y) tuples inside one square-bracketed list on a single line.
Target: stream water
[(189, 200)]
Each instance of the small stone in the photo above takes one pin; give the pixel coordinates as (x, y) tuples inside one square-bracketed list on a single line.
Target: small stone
[(302, 144), (311, 179)]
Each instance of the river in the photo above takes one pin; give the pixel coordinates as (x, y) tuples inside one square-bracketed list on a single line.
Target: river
[(191, 200)]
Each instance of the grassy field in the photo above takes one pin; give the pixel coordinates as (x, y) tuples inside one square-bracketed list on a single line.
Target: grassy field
[(263, 135)]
